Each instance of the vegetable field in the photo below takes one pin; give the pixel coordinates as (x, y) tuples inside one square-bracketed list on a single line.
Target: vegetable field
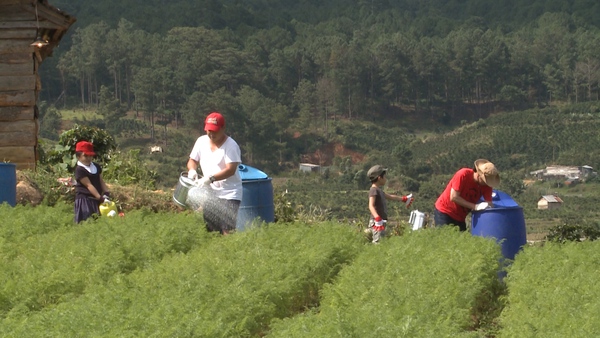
[(162, 275)]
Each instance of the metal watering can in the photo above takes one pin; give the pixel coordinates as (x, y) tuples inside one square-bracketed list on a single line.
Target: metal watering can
[(181, 191), (108, 209)]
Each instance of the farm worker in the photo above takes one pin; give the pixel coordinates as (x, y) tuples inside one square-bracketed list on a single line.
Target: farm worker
[(90, 189), (219, 157), (463, 193), (377, 202)]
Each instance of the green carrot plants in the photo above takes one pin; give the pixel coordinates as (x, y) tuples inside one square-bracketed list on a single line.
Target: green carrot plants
[(424, 284), (45, 268), (21, 222), (230, 286), (553, 292)]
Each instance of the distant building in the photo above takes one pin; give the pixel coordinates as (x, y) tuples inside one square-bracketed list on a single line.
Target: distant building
[(568, 173), (572, 181), (549, 202), (310, 168), (587, 171)]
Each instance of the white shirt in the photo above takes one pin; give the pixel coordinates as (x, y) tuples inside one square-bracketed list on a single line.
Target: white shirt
[(211, 162)]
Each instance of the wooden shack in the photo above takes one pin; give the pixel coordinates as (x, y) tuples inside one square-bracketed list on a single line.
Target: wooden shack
[(549, 202), (23, 22)]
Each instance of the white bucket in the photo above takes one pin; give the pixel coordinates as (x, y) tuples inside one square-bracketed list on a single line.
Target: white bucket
[(417, 219)]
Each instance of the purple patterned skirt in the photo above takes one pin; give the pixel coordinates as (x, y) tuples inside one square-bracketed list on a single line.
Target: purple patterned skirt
[(86, 207)]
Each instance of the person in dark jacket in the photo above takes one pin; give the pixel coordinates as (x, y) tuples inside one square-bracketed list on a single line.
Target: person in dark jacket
[(90, 189)]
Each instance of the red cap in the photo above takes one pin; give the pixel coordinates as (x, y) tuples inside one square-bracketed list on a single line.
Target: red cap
[(85, 147), (214, 122)]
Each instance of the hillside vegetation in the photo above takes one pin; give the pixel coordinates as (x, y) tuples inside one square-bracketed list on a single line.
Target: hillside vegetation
[(285, 82), (432, 16)]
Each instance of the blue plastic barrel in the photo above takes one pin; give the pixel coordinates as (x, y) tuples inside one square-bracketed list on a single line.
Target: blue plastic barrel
[(8, 183), (257, 199), (505, 222)]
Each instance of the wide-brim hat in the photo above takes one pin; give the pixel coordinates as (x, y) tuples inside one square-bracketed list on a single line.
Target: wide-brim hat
[(487, 170), (376, 171)]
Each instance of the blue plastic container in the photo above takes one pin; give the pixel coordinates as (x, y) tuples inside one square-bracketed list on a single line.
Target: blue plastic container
[(505, 222), (8, 183), (257, 200)]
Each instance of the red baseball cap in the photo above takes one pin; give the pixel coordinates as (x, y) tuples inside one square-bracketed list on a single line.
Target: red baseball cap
[(214, 122), (85, 147)]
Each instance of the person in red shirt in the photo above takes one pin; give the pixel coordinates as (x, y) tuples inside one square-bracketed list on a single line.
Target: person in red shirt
[(463, 193)]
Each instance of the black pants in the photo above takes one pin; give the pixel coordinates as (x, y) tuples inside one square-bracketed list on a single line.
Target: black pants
[(441, 219)]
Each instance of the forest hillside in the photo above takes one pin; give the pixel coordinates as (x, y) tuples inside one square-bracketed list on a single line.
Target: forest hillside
[(289, 76)]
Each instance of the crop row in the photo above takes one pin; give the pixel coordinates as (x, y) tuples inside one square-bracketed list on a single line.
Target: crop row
[(425, 284), (226, 286), (46, 259), (554, 292), (162, 275)]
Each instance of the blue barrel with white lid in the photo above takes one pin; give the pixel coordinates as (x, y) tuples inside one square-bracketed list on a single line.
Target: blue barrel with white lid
[(505, 222), (257, 199), (8, 183)]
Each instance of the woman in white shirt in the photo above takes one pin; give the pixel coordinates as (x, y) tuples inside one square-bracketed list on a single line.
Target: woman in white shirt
[(218, 156)]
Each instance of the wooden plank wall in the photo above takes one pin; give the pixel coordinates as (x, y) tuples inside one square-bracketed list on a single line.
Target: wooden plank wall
[(19, 86)]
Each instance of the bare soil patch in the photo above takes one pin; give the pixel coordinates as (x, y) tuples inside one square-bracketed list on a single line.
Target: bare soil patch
[(325, 155)]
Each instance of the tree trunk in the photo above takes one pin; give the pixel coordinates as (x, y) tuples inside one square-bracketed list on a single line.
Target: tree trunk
[(326, 117), (127, 87), (165, 136), (64, 88), (349, 104), (89, 90), (116, 83), (97, 99), (152, 125), (82, 87)]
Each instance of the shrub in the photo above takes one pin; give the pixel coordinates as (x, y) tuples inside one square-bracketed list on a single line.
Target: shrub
[(64, 153), (573, 232)]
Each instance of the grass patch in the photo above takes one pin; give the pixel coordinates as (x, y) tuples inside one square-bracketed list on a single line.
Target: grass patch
[(79, 114), (537, 229)]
